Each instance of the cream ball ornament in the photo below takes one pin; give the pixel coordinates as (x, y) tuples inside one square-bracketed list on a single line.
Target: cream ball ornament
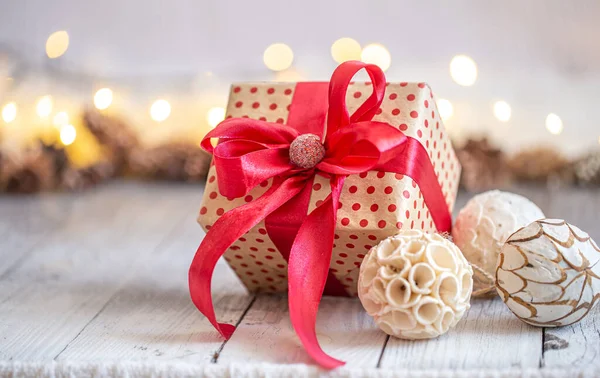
[(415, 285), (483, 226), (549, 273)]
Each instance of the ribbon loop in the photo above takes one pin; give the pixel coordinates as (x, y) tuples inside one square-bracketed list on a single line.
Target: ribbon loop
[(361, 147), (244, 145), (268, 133), (338, 116)]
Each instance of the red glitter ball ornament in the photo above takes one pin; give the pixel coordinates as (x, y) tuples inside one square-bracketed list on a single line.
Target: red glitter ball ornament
[(306, 151)]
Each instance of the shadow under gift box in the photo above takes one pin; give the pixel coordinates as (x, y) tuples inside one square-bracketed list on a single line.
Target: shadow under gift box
[(374, 205)]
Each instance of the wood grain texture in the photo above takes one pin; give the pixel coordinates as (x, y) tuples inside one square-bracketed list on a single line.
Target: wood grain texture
[(577, 344), (101, 277), (152, 316), (26, 220), (49, 298), (489, 336), (344, 330), (574, 345)]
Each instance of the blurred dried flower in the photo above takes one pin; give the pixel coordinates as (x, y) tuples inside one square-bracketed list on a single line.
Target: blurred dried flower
[(58, 156), (484, 166), (30, 172), (179, 161), (587, 169), (83, 178), (112, 133), (539, 164)]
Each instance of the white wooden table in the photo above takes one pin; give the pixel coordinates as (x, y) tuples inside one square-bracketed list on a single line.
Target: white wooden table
[(95, 284)]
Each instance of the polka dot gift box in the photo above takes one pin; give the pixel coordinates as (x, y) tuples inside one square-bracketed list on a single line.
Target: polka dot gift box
[(307, 177)]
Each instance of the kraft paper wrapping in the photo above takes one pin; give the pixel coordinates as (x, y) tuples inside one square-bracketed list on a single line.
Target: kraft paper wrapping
[(374, 205)]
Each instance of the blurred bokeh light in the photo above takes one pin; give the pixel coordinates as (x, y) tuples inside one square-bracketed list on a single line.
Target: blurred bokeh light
[(377, 54), (502, 111), (278, 57), (463, 70), (554, 124), (215, 115), (445, 108), (68, 134), (345, 49), (103, 98), (57, 44), (9, 112), (44, 106), (160, 110)]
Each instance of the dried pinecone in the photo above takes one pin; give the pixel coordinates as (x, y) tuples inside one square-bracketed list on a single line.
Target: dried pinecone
[(58, 156), (587, 169), (539, 164), (484, 166), (31, 172), (77, 179), (177, 161), (112, 133)]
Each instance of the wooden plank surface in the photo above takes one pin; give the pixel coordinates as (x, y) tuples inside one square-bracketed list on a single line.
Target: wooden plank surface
[(344, 331), (25, 221), (48, 299), (577, 344), (102, 276), (489, 336), (152, 317), (574, 345)]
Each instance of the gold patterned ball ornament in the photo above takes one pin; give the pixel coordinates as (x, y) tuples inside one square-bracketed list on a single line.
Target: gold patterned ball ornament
[(415, 285), (548, 273)]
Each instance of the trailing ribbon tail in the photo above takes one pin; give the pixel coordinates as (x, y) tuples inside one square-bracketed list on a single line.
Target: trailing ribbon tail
[(307, 273), (223, 233)]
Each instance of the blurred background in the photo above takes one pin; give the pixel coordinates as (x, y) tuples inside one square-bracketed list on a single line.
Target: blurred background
[(522, 73)]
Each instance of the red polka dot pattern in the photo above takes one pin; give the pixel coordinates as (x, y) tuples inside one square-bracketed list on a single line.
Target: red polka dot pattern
[(253, 257), (373, 205), (412, 108), (267, 102)]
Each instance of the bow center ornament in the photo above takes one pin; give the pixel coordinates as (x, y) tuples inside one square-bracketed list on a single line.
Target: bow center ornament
[(306, 151)]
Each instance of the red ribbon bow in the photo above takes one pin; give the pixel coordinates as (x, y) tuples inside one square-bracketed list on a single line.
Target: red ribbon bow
[(252, 151)]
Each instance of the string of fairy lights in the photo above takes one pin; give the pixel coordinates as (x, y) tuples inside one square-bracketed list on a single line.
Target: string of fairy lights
[(278, 57)]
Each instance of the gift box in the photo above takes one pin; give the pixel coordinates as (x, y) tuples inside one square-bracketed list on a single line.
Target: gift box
[(373, 205), (307, 177)]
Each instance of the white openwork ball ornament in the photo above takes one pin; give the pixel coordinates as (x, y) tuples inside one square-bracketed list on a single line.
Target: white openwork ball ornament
[(549, 273), (483, 226), (415, 285)]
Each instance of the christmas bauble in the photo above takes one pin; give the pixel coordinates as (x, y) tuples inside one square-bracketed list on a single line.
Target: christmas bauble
[(549, 273), (415, 285), (483, 226)]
